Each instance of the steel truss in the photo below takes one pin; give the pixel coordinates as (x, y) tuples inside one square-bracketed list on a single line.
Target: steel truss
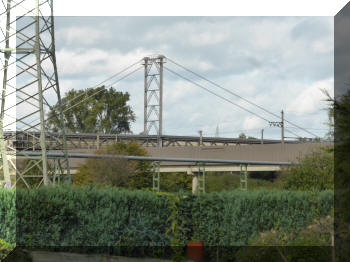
[(153, 95), (30, 89)]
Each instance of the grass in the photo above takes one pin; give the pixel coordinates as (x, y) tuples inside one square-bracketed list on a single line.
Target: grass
[(215, 181)]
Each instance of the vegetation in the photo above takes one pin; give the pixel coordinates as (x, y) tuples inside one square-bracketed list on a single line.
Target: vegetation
[(5, 248), (86, 216), (314, 171), (116, 172), (96, 110), (175, 182), (226, 181), (313, 242)]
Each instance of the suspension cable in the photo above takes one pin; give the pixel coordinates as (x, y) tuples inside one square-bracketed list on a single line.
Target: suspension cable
[(243, 108), (232, 93)]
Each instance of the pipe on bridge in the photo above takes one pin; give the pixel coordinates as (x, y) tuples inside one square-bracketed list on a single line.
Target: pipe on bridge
[(198, 184), (157, 159)]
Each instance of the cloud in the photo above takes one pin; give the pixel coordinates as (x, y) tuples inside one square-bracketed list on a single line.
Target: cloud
[(276, 62), (84, 36), (79, 63), (310, 99), (252, 122)]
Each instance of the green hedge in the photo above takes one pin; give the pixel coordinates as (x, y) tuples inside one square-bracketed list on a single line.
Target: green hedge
[(230, 219), (90, 217), (111, 217), (8, 215)]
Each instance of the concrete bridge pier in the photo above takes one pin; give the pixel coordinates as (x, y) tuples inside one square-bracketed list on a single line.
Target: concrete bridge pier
[(198, 181)]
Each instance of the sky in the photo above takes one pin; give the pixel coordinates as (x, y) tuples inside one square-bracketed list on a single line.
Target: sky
[(275, 62)]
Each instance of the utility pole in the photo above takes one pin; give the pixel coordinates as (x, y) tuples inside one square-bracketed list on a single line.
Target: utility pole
[(200, 137), (282, 127), (262, 136)]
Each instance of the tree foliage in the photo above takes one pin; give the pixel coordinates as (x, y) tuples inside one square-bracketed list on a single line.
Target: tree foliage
[(93, 110), (116, 172), (312, 242), (242, 136), (314, 171)]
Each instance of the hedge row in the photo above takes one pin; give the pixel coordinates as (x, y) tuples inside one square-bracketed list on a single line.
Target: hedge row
[(8, 215), (111, 217)]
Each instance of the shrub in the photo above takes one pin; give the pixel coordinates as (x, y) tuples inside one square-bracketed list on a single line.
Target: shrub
[(312, 243), (315, 171), (135, 222), (116, 172), (5, 248)]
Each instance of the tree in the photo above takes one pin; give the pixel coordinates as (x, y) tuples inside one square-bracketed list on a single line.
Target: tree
[(242, 136), (330, 112), (93, 110), (116, 172), (314, 171)]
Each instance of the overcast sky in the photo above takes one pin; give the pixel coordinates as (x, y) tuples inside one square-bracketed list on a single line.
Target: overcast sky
[(275, 62)]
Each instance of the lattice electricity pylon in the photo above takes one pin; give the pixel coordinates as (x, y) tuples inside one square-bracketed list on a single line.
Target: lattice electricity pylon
[(153, 94), (30, 89), (201, 177), (244, 177), (156, 176)]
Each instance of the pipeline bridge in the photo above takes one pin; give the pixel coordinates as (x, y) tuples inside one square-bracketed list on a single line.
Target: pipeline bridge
[(31, 90), (196, 161), (53, 141)]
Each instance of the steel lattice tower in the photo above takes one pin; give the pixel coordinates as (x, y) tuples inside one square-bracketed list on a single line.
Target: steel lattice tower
[(153, 95), (30, 89)]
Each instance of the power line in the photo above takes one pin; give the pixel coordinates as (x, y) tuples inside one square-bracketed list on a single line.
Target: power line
[(98, 91), (292, 132), (243, 108), (109, 78), (115, 82), (232, 93)]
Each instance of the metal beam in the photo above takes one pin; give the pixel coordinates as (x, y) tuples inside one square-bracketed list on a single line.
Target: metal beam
[(162, 159)]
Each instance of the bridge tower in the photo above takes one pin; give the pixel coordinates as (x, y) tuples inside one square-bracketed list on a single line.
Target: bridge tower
[(153, 95), (30, 88)]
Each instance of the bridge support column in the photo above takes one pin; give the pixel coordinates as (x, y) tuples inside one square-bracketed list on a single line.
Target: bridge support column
[(195, 182), (198, 180), (156, 176), (244, 177)]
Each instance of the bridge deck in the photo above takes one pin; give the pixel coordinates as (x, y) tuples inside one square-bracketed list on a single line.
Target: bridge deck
[(270, 152)]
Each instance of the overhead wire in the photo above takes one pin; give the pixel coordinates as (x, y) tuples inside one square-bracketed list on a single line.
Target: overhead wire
[(215, 94), (81, 101), (233, 93), (98, 91), (104, 81)]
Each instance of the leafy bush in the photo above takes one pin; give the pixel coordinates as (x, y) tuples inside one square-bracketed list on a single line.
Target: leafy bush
[(8, 215), (312, 243), (5, 248), (220, 181), (243, 215), (315, 171), (137, 223), (116, 172)]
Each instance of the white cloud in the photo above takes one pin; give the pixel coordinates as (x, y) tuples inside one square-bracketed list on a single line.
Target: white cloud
[(95, 61), (252, 122), (322, 47), (311, 97), (85, 36), (257, 58)]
